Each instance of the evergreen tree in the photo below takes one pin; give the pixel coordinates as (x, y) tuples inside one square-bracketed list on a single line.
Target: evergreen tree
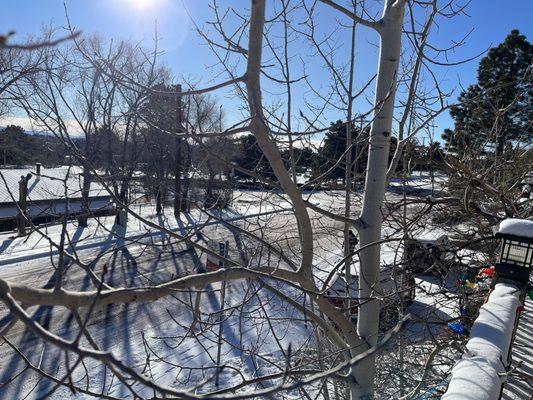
[(251, 158), (334, 149), (17, 147), (303, 158), (497, 111)]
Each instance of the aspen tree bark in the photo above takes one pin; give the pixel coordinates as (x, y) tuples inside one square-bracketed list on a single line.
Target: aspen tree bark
[(390, 30), (177, 170), (348, 173), (85, 193), (261, 131)]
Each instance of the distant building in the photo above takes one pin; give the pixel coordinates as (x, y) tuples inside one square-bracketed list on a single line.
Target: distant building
[(47, 199)]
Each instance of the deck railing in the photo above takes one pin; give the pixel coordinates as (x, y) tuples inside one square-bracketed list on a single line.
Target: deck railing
[(482, 371)]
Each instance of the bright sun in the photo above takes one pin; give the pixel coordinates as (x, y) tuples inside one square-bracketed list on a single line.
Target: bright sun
[(143, 4)]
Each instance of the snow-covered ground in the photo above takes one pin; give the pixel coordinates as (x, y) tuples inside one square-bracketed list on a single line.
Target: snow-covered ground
[(102, 231), (157, 337), (163, 323)]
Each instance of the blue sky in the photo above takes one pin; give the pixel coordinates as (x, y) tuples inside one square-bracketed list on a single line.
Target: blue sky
[(185, 53)]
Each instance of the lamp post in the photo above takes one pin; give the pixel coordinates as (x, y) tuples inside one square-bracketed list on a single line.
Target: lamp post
[(516, 256)]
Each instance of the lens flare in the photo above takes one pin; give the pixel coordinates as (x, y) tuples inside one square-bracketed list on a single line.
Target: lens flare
[(142, 5)]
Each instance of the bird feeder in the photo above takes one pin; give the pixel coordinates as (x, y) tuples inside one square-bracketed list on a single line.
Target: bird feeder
[(516, 257)]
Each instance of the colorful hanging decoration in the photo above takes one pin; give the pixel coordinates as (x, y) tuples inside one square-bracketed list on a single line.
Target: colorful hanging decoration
[(470, 285), (486, 272), (457, 327), (530, 292)]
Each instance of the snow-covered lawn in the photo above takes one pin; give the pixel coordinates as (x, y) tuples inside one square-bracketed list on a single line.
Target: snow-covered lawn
[(157, 337)]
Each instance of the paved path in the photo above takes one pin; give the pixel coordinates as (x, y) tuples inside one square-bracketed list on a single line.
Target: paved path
[(519, 385)]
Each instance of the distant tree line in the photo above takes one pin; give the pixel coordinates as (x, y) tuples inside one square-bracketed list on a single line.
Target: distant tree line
[(18, 147), (326, 164), (154, 153)]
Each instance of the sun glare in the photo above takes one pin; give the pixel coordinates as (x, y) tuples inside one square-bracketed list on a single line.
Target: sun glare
[(142, 5)]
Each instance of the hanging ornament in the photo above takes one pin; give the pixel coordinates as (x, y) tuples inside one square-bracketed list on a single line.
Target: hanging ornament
[(488, 271), (457, 327), (470, 285)]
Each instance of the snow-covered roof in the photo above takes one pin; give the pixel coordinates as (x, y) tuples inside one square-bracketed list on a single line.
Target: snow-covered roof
[(49, 185), (517, 227)]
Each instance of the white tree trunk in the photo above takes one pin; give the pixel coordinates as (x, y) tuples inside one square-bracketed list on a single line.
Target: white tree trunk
[(371, 213), (259, 128)]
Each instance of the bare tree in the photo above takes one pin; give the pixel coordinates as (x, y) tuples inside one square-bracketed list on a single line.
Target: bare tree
[(274, 259)]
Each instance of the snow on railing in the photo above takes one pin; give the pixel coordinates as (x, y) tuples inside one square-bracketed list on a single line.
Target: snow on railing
[(482, 370), (480, 374)]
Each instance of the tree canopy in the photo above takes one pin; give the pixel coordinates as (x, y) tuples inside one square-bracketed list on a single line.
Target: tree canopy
[(17, 147), (496, 112), (335, 147), (251, 158)]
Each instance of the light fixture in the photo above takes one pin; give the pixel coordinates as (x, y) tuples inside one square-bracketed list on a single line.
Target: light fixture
[(516, 256)]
